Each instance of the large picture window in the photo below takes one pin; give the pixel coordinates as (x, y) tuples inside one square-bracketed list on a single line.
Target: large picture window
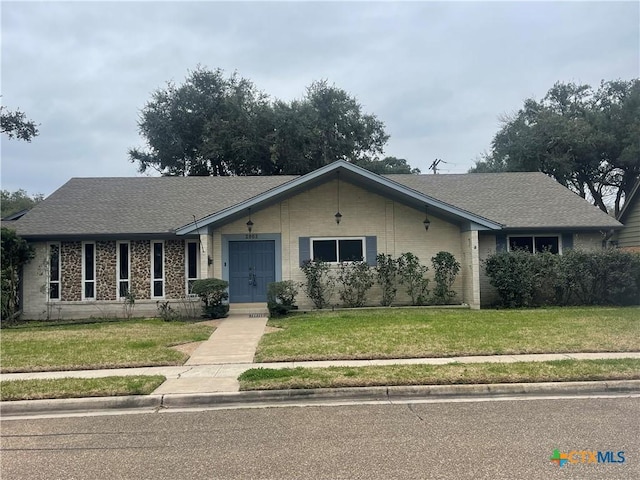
[(191, 264), (335, 250), (124, 269), (54, 271), (89, 271), (157, 269), (535, 243)]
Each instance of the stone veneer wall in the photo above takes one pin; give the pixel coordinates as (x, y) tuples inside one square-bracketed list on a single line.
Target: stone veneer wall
[(174, 281), (141, 268), (71, 259), (106, 270)]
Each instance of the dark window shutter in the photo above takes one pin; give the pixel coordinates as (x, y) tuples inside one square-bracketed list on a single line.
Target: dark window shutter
[(304, 248), (501, 243), (372, 251), (567, 241)]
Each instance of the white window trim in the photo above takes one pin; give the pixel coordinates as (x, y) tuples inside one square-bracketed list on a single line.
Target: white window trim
[(533, 237), (84, 271), (186, 264), (164, 254), (49, 281), (364, 247), (118, 243)]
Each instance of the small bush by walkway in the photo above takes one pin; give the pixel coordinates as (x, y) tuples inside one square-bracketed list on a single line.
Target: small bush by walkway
[(133, 343), (412, 333), (457, 373)]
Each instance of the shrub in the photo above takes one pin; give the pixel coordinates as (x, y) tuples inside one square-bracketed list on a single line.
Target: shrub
[(386, 276), (604, 277), (412, 274), (356, 278), (320, 284), (281, 297), (166, 312), (213, 292), (512, 275), (446, 269), (14, 253)]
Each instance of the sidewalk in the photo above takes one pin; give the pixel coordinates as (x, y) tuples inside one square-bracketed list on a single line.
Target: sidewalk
[(215, 365), (203, 373)]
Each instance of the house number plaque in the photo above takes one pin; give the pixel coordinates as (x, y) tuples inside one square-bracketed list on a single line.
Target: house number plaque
[(251, 236)]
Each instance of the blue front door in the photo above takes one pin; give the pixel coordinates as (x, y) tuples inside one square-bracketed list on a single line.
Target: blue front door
[(252, 267)]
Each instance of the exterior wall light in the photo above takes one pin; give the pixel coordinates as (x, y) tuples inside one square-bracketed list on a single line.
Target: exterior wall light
[(426, 222)]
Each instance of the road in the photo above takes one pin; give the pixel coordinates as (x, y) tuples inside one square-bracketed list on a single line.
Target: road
[(509, 439)]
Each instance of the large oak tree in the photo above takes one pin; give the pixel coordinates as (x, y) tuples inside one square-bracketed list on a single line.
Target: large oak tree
[(588, 139), (217, 125)]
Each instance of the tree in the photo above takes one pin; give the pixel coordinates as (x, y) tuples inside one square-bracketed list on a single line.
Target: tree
[(217, 125), (586, 139), (14, 253), (16, 125), (207, 126), (13, 202), (388, 165)]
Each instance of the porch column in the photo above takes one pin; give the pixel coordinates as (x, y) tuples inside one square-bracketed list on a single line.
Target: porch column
[(471, 269), (205, 254)]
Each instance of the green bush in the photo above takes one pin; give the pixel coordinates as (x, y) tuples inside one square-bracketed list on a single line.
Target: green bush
[(412, 274), (512, 274), (213, 292), (603, 277), (281, 297), (15, 252), (355, 279), (386, 276), (446, 268), (320, 284)]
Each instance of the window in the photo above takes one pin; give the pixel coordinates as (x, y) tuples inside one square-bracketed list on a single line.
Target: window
[(334, 250), (88, 271), (157, 269), (535, 243), (191, 264), (54, 271), (124, 269)]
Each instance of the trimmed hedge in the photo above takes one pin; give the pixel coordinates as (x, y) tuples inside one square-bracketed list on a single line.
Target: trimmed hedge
[(604, 277)]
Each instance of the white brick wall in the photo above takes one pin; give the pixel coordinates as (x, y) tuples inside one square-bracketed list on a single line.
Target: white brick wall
[(398, 229)]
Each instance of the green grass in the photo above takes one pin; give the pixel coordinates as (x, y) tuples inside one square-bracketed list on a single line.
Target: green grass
[(407, 333), (79, 387), (133, 343), (455, 373)]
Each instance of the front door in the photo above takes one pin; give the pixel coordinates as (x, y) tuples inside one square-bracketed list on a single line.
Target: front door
[(252, 267)]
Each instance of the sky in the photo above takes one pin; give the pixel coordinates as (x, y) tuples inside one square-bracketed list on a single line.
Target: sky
[(441, 76)]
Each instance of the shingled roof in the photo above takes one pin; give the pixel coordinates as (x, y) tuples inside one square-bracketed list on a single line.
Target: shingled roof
[(516, 200), (160, 205)]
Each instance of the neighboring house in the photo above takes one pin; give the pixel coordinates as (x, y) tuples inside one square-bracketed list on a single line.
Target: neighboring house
[(628, 237), (98, 238)]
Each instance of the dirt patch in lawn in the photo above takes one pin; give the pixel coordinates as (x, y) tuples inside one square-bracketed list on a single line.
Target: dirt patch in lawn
[(187, 348), (269, 329)]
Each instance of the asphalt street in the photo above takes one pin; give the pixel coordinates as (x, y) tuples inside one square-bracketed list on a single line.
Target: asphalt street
[(508, 439)]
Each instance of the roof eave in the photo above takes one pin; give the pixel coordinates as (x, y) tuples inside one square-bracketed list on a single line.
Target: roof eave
[(316, 176)]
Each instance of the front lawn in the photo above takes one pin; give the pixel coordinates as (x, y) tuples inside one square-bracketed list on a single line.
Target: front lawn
[(409, 333), (79, 387), (455, 373), (133, 343)]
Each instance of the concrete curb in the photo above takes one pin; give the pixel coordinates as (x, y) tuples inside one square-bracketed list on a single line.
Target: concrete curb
[(68, 405), (270, 397)]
